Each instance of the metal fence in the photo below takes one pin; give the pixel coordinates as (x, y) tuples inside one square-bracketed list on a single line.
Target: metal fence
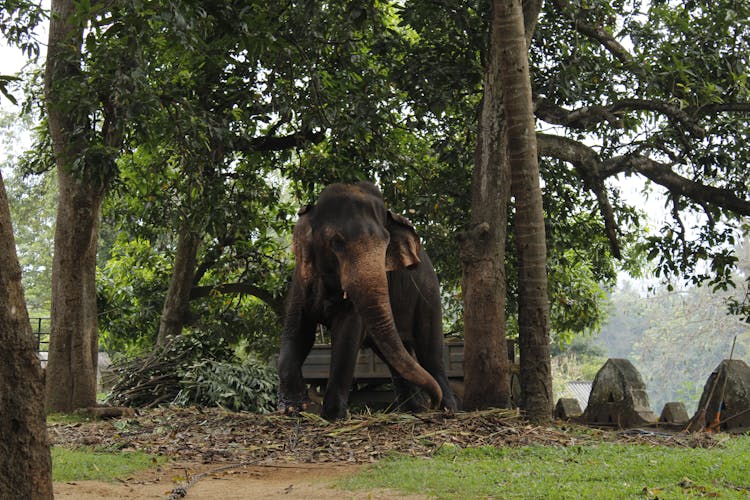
[(41, 328)]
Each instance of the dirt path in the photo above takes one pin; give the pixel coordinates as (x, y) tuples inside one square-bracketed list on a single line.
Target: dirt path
[(298, 457), (292, 481)]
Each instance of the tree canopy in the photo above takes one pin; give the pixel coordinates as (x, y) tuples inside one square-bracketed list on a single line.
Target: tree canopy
[(234, 113)]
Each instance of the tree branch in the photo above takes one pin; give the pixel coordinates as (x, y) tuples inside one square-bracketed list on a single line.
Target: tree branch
[(275, 303), (277, 143), (672, 112), (600, 35), (587, 116), (586, 162), (736, 107), (663, 175)]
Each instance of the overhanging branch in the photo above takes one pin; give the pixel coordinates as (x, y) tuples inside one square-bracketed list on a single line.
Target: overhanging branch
[(663, 175), (277, 143), (275, 303), (586, 162)]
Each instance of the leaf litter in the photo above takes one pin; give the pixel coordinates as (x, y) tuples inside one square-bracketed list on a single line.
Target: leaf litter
[(218, 436)]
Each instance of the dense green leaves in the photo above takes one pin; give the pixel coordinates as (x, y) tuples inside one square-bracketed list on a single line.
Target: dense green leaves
[(249, 385), (235, 113)]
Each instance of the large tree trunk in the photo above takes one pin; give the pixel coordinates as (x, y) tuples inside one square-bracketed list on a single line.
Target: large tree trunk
[(71, 369), (533, 313), (25, 464), (73, 347), (486, 366), (177, 303)]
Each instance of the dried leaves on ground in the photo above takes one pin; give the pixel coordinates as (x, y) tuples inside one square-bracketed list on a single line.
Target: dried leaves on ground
[(213, 435)]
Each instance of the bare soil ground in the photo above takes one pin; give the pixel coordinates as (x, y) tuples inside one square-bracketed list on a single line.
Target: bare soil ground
[(295, 482), (218, 454)]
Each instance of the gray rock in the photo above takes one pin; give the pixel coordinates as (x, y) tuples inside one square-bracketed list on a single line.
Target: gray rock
[(567, 408), (618, 397), (725, 399), (674, 413)]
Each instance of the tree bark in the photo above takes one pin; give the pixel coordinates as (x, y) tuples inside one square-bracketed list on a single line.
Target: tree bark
[(533, 313), (177, 303), (486, 366), (73, 351), (25, 464)]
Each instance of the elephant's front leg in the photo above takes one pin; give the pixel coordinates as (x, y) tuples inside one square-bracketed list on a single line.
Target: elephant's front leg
[(297, 340), (292, 395), (347, 332)]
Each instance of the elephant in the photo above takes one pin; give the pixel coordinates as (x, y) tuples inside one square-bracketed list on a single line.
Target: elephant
[(360, 270)]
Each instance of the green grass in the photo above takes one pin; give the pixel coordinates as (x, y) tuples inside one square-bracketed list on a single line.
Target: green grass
[(602, 471), (67, 418), (81, 464)]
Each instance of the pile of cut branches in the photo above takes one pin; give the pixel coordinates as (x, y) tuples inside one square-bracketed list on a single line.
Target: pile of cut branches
[(155, 378)]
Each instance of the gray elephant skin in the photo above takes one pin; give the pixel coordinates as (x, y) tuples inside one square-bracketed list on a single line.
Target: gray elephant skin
[(360, 270)]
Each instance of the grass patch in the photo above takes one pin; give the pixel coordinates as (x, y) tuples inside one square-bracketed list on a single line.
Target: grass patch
[(81, 464), (67, 418), (602, 471)]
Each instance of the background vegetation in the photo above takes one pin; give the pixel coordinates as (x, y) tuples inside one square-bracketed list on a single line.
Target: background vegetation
[(235, 114)]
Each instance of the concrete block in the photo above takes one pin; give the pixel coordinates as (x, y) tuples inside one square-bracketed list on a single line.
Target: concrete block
[(567, 408)]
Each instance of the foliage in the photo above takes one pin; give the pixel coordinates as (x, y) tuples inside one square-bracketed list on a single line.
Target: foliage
[(130, 291), (580, 360), (235, 113), (192, 369), (246, 386), (592, 471), (18, 20), (33, 201), (688, 334), (84, 464)]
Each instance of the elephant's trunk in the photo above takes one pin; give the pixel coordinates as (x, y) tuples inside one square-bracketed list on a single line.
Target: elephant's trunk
[(369, 292)]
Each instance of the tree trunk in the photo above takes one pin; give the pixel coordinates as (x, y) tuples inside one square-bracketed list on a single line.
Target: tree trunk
[(73, 347), (486, 366), (533, 313), (25, 464), (177, 303), (71, 369)]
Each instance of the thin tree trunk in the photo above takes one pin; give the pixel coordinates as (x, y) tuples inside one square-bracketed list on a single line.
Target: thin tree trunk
[(533, 313), (177, 303), (25, 464), (486, 366)]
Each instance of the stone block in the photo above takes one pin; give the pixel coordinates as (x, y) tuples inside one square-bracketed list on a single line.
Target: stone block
[(618, 397), (567, 408), (674, 413), (725, 402)]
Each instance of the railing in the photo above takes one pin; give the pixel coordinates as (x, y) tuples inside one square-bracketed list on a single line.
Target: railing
[(41, 328)]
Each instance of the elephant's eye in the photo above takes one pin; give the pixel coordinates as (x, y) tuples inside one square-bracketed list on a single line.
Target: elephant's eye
[(337, 243)]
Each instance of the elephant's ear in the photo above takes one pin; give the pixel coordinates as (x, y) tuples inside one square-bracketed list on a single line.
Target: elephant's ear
[(403, 250), (302, 245)]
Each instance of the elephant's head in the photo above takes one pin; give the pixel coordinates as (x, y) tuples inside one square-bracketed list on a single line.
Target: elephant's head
[(349, 240)]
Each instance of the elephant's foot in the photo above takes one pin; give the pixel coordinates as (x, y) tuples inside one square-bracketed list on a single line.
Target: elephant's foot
[(334, 408), (293, 405)]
